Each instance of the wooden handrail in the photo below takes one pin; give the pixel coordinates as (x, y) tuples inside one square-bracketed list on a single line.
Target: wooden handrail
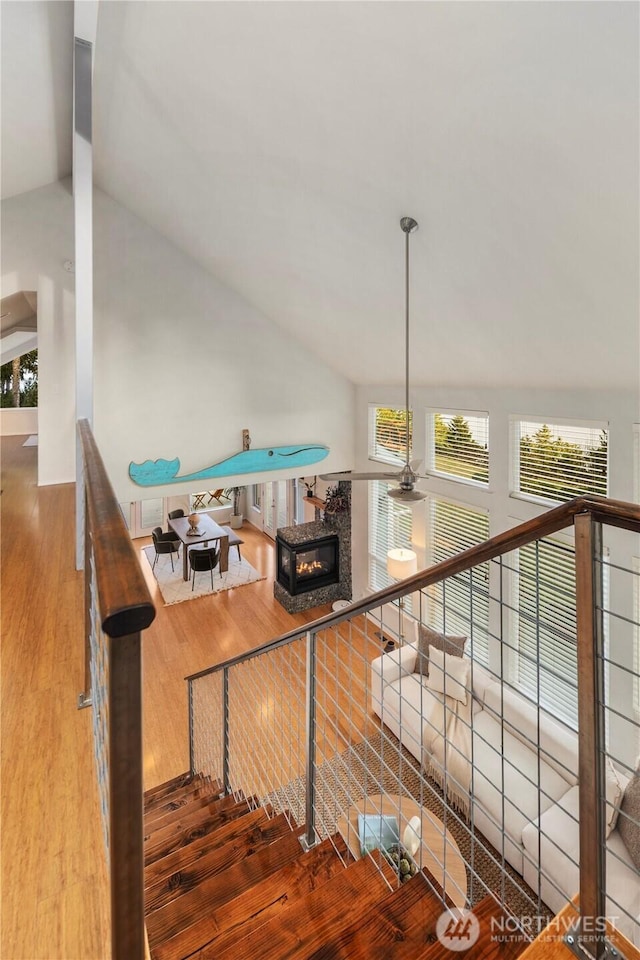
[(125, 603), (125, 609), (614, 512)]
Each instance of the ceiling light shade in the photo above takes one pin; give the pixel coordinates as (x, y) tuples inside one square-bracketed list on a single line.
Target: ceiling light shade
[(401, 563), (397, 493)]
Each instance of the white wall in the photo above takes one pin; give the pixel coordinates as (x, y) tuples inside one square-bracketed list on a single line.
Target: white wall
[(182, 363), (16, 421)]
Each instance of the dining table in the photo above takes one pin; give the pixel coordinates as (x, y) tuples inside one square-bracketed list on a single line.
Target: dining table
[(206, 530)]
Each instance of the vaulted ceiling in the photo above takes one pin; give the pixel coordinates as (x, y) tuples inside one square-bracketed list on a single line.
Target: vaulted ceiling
[(280, 143)]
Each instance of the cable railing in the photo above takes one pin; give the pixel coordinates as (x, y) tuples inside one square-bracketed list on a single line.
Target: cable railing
[(118, 607), (490, 751)]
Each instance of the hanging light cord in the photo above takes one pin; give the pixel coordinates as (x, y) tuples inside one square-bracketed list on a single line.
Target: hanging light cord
[(408, 225), (406, 360)]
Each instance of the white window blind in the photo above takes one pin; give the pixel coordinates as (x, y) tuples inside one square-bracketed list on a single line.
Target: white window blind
[(557, 462), (459, 606), (636, 461), (390, 525), (636, 635), (546, 642), (387, 434), (459, 445)]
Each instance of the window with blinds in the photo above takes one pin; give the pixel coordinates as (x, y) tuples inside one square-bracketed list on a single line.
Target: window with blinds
[(556, 462), (459, 445), (390, 525), (545, 588), (459, 606), (387, 434)]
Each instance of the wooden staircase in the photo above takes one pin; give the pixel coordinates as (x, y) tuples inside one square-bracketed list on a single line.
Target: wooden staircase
[(225, 882)]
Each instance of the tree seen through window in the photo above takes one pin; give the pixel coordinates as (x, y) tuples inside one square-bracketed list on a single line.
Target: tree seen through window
[(19, 381), (461, 446), (562, 462)]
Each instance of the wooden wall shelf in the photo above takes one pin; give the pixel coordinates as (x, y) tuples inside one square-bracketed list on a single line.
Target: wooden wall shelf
[(316, 501)]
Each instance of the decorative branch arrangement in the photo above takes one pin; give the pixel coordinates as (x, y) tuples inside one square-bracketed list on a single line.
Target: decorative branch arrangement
[(335, 501)]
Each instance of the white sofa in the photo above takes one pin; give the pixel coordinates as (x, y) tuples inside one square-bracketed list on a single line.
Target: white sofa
[(540, 786)]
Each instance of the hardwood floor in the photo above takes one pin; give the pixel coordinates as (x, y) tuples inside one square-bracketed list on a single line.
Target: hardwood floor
[(188, 637), (53, 877)]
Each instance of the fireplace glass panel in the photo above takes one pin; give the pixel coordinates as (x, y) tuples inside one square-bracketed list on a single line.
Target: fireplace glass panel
[(307, 566), (315, 563)]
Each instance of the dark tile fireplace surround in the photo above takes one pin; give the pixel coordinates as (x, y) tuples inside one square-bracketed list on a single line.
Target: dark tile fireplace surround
[(313, 564)]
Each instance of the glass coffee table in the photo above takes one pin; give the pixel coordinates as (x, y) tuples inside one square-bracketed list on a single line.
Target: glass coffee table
[(438, 850)]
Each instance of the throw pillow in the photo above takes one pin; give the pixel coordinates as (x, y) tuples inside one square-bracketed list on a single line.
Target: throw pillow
[(449, 675), (427, 638), (614, 793), (629, 817)]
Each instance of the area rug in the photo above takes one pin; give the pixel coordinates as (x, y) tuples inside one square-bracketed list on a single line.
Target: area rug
[(31, 441), (379, 764), (175, 590)]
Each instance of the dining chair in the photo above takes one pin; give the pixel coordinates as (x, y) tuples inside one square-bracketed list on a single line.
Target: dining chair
[(164, 543), (206, 559), (175, 514)]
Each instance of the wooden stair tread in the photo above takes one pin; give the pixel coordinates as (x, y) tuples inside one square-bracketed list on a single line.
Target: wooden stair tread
[(190, 805), (163, 789), (507, 950), (202, 845), (214, 862), (257, 905), (197, 788), (310, 921), (170, 919), (396, 927), (213, 803), (485, 947), (197, 824)]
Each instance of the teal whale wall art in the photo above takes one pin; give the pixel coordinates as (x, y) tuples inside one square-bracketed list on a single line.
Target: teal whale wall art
[(151, 473)]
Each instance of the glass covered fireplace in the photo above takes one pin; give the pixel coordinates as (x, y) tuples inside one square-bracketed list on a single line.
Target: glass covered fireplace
[(307, 566)]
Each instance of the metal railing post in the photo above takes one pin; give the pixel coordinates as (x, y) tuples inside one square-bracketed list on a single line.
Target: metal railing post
[(84, 698), (225, 732), (192, 762), (590, 636), (309, 839)]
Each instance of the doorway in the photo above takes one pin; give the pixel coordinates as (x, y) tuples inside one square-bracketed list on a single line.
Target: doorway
[(141, 516), (280, 501)]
